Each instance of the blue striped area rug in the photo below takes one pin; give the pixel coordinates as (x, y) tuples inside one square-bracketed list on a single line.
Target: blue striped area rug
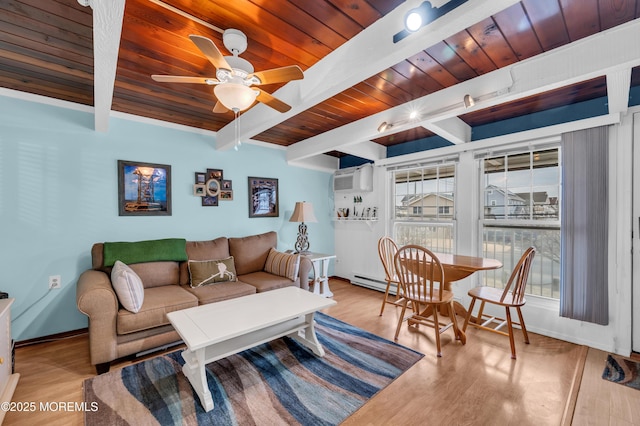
[(277, 383)]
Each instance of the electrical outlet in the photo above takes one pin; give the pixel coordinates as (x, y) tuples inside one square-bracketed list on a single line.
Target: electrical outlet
[(54, 281)]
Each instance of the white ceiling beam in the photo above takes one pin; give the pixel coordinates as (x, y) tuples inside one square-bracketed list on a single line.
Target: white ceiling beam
[(429, 110), (367, 149), (594, 56), (107, 28), (366, 54), (322, 162), (452, 129), (618, 86), (579, 61)]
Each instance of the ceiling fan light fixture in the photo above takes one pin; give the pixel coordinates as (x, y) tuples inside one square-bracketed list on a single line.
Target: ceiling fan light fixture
[(234, 96)]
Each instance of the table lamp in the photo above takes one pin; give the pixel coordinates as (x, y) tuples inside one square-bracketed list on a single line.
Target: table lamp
[(303, 212)]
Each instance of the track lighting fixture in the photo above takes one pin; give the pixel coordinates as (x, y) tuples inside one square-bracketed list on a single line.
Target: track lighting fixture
[(469, 101), (384, 126)]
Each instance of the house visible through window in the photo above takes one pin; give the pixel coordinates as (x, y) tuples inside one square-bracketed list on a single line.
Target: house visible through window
[(424, 206), (521, 208)]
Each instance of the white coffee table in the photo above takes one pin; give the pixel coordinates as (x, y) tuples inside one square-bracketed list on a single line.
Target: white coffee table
[(217, 330)]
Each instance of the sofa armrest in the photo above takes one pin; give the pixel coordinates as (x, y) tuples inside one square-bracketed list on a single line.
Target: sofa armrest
[(96, 298), (303, 273)]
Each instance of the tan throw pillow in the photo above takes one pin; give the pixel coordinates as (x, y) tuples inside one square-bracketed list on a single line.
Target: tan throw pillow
[(128, 287), (205, 272), (282, 264)]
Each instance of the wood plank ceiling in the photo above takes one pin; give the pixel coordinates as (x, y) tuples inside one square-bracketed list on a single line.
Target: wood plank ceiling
[(46, 48)]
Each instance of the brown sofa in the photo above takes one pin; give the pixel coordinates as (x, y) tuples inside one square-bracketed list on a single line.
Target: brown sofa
[(115, 332)]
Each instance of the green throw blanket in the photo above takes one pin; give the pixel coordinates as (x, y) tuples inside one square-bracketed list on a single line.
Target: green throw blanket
[(145, 251)]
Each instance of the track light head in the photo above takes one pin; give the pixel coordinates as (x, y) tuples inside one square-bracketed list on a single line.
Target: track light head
[(469, 101), (384, 126), (418, 17)]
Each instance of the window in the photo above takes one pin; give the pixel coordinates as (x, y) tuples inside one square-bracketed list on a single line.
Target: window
[(521, 208), (424, 206)]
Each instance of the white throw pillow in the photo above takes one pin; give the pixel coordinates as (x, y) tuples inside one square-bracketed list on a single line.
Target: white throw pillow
[(128, 287)]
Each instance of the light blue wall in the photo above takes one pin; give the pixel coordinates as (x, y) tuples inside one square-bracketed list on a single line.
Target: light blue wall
[(58, 196)]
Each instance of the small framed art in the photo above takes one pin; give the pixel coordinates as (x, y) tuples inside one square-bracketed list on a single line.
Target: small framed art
[(263, 197)]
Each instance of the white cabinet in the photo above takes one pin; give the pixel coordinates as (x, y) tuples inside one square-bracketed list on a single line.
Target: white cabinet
[(8, 380)]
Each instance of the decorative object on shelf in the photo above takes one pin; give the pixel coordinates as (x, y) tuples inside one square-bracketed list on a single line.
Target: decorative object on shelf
[(263, 197), (144, 189), (303, 212), (366, 214), (343, 212)]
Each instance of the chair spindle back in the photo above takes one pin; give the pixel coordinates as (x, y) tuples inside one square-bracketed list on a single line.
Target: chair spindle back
[(517, 283), (387, 249), (419, 269)]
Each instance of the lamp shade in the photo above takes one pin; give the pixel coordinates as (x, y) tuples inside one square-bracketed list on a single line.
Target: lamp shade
[(236, 97), (303, 212)]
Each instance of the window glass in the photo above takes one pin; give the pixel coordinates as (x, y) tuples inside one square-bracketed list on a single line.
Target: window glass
[(424, 206), (521, 205)]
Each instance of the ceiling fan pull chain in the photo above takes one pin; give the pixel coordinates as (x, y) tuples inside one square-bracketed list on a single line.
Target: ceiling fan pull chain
[(236, 127)]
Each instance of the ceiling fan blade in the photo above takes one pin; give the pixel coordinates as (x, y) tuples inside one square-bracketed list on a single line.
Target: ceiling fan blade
[(219, 108), (210, 50), (279, 75), (184, 79), (272, 101)]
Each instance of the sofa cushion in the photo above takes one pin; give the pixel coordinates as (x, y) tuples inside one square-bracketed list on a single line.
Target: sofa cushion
[(158, 302), (145, 251), (282, 264), (203, 250), (264, 281), (154, 274), (128, 287), (221, 291), (250, 253), (205, 272)]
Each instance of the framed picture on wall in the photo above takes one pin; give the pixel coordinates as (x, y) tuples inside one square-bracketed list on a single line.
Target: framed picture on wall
[(144, 189), (263, 197), (213, 177)]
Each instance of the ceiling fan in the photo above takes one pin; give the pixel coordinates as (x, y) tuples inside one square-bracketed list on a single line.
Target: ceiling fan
[(235, 78)]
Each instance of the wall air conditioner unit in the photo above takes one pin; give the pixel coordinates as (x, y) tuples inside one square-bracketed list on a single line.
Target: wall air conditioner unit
[(354, 179)]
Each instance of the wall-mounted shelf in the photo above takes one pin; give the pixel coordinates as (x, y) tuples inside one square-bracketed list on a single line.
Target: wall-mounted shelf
[(368, 220)]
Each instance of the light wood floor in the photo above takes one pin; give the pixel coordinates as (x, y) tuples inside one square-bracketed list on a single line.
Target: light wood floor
[(475, 384)]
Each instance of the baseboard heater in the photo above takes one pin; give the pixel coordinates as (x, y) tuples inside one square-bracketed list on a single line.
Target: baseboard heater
[(372, 283)]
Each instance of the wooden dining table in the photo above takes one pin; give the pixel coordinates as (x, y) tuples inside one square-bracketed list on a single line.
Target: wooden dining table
[(457, 267)]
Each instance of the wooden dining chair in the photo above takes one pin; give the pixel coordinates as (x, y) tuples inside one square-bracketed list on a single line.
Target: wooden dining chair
[(421, 277), (387, 249), (511, 297)]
